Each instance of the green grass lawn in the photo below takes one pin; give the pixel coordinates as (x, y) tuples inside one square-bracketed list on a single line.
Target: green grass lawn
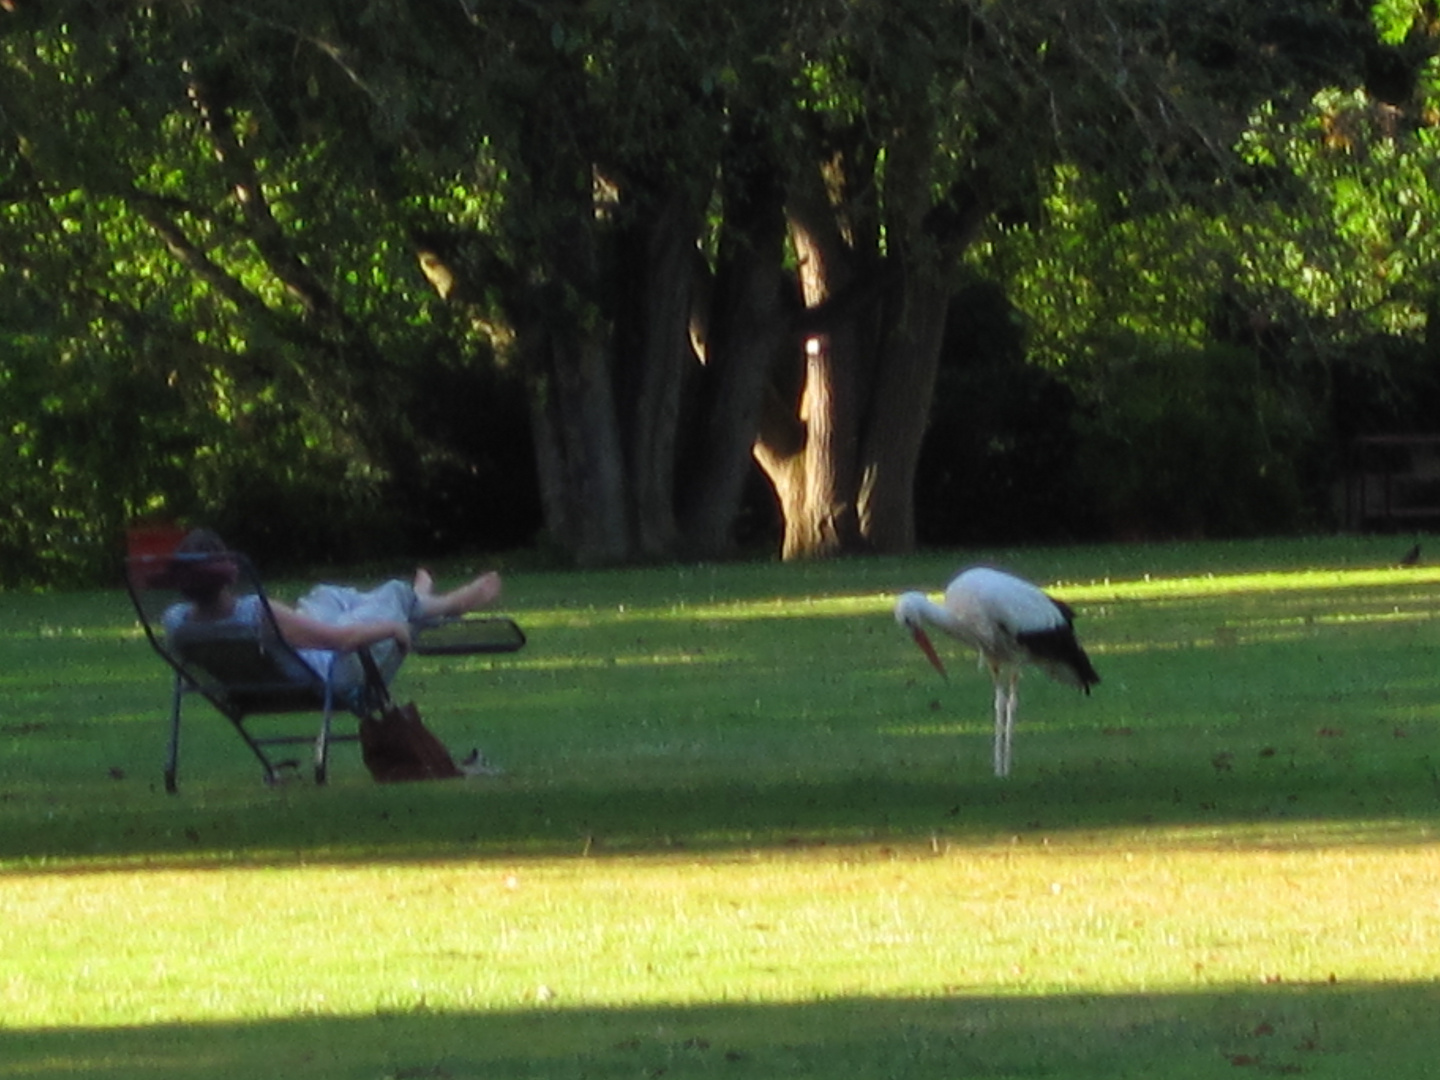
[(745, 830)]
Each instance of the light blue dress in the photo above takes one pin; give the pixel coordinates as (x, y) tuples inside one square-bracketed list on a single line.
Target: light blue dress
[(341, 605)]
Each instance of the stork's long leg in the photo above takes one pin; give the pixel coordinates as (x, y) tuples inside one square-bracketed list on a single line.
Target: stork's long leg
[(1012, 702), (1002, 707)]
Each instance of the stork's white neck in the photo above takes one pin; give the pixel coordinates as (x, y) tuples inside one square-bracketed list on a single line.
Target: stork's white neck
[(913, 608)]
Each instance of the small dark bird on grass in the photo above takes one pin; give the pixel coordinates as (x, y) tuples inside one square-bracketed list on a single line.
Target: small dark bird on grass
[(1411, 557)]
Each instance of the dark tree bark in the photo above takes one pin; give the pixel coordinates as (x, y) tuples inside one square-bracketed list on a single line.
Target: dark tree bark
[(909, 357), (577, 447), (656, 360), (741, 324)]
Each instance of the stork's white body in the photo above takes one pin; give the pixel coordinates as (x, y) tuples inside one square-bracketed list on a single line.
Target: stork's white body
[(1010, 623)]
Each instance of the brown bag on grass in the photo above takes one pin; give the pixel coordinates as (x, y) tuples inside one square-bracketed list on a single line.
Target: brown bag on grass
[(396, 745)]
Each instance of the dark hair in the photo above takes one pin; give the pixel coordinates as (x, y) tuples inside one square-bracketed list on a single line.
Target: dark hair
[(202, 566), (200, 542)]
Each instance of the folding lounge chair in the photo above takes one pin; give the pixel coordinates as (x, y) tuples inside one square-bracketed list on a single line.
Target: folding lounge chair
[(247, 674)]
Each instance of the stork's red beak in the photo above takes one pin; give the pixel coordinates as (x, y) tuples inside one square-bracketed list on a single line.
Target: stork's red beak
[(923, 640)]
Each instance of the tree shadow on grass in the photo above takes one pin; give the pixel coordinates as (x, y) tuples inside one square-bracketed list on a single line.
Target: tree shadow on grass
[(1316, 1031)]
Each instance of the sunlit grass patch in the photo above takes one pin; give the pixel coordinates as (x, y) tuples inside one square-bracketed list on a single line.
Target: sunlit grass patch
[(1027, 916)]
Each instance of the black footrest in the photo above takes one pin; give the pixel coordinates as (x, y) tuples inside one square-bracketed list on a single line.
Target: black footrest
[(467, 635)]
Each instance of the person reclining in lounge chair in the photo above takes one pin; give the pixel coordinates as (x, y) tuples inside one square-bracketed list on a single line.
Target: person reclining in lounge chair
[(329, 623)]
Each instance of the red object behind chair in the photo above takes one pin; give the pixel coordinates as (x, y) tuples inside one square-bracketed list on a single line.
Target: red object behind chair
[(153, 541)]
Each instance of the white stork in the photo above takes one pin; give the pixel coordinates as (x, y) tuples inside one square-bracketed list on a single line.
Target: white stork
[(1011, 623)]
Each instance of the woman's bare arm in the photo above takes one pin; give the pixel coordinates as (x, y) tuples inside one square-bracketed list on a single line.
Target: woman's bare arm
[(303, 632)]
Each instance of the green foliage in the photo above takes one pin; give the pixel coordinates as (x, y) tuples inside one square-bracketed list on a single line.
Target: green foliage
[(1222, 353), (188, 286), (1357, 247), (1395, 20), (1093, 268)]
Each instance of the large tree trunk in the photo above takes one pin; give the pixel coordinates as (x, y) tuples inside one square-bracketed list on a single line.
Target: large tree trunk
[(577, 447), (843, 466), (923, 249), (653, 359), (811, 457), (565, 321), (900, 406), (741, 329), (843, 458), (828, 521)]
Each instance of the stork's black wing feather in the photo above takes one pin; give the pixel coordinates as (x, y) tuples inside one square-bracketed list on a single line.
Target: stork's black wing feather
[(1057, 651)]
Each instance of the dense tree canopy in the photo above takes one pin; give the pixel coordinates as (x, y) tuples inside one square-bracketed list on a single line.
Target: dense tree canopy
[(350, 278)]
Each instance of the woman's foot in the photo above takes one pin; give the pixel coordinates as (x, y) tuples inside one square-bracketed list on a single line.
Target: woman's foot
[(482, 592)]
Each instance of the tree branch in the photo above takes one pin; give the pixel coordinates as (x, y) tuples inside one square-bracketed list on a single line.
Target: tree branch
[(265, 232), (190, 256)]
